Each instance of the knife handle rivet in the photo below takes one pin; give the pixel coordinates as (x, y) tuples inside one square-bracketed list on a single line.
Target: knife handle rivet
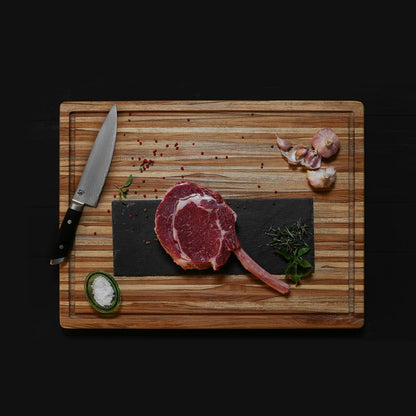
[(69, 222), (61, 246)]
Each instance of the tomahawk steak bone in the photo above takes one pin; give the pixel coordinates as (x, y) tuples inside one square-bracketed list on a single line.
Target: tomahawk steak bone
[(197, 229)]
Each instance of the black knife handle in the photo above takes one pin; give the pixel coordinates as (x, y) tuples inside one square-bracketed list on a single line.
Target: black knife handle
[(66, 235)]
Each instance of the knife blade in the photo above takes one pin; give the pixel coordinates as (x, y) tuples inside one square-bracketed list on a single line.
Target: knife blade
[(89, 187)]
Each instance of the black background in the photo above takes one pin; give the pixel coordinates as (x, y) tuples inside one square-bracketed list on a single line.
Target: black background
[(121, 54)]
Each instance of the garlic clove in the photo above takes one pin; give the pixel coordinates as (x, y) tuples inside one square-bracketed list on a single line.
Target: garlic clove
[(322, 178), (325, 142), (311, 160), (295, 155), (284, 145), (301, 152)]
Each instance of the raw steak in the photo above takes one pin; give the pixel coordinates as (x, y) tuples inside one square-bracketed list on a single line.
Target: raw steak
[(197, 229)]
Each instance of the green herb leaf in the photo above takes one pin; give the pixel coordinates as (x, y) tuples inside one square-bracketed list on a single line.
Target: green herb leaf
[(288, 267), (303, 251), (128, 182), (296, 278), (283, 253), (304, 263)]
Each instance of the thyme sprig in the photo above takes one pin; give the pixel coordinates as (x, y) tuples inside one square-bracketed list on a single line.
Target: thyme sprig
[(290, 243), (124, 189)]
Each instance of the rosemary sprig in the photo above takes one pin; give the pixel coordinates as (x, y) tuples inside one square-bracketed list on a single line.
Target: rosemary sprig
[(290, 243), (123, 190)]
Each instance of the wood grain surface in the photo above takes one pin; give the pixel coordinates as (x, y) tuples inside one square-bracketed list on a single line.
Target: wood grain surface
[(229, 146)]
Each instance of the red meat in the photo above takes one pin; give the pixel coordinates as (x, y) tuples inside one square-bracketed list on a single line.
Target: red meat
[(197, 229)]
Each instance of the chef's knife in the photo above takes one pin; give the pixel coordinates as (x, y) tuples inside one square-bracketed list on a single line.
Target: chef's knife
[(89, 187)]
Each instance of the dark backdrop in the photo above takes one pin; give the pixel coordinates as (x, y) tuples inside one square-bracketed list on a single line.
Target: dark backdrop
[(70, 63)]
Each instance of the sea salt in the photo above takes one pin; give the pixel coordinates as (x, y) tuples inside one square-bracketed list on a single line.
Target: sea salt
[(103, 291)]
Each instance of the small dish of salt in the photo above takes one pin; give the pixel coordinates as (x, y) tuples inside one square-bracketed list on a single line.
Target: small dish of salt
[(102, 291)]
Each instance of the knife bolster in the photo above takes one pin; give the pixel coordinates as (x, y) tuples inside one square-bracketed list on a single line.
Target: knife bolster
[(76, 206)]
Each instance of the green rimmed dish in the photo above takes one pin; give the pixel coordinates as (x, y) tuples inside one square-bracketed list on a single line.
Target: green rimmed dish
[(89, 280)]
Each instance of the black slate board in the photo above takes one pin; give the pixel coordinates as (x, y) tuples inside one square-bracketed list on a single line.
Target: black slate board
[(137, 251)]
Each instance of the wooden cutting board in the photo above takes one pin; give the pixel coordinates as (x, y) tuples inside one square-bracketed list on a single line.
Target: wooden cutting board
[(229, 146)]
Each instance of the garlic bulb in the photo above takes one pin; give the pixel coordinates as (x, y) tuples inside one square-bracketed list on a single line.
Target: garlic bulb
[(325, 142), (322, 178)]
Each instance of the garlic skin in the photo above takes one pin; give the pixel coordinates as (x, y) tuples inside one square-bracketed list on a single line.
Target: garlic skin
[(325, 142), (323, 178)]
